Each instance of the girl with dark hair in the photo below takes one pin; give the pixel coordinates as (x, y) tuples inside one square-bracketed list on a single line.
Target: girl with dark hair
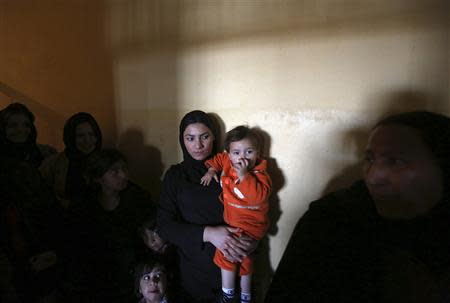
[(152, 281), (104, 231), (386, 238), (63, 172), (190, 215)]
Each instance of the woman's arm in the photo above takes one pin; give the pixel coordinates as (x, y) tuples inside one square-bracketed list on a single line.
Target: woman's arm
[(235, 248), (172, 228)]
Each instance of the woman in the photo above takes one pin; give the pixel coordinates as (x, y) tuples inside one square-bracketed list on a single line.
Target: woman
[(18, 136), (386, 238), (190, 216), (63, 172), (28, 216), (104, 231)]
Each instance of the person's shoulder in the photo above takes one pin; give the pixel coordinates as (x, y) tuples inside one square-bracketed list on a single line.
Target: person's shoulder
[(136, 192), (46, 150), (348, 200), (174, 171), (55, 159)]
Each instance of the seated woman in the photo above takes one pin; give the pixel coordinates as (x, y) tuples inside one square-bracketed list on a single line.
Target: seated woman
[(104, 230), (18, 136), (190, 215), (28, 215), (386, 238), (63, 172)]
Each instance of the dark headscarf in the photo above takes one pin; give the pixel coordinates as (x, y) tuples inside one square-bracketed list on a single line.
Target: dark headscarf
[(69, 136), (434, 130), (75, 181), (27, 150), (195, 169)]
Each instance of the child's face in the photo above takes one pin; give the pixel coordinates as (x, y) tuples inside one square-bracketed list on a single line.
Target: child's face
[(153, 241), (115, 178), (153, 285), (243, 149)]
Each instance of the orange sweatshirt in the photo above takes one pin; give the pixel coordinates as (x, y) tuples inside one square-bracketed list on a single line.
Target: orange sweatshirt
[(246, 203)]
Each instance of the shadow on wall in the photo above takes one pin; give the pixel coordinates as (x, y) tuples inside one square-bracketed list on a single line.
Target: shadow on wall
[(263, 269), (392, 103), (144, 161)]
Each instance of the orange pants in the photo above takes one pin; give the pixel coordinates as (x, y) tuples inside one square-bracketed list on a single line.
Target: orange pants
[(245, 268)]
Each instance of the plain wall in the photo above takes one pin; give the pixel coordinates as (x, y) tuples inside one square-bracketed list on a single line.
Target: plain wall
[(312, 75)]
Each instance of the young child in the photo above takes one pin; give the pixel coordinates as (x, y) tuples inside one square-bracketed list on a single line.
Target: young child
[(151, 238), (151, 281), (245, 191)]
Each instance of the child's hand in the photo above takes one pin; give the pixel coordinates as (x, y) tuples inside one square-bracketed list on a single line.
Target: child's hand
[(241, 168), (206, 179)]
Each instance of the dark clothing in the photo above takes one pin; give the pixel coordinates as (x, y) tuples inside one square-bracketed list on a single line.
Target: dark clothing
[(29, 219), (104, 246), (186, 207), (342, 251), (76, 184)]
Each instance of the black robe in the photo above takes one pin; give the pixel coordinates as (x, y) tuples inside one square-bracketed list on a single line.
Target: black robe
[(186, 207), (342, 251)]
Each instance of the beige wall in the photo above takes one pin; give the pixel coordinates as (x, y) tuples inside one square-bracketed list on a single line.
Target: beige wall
[(314, 75)]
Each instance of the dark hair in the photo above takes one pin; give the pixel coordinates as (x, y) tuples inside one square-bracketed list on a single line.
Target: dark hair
[(101, 161), (17, 109), (242, 132), (69, 134), (197, 116), (145, 267), (27, 150), (149, 224), (434, 130)]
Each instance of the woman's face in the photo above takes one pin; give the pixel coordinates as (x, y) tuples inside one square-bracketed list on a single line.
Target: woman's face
[(85, 138), (116, 178), (198, 140), (18, 128), (153, 285), (402, 176)]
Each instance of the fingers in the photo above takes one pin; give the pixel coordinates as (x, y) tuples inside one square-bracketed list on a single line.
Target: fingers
[(244, 162), (235, 253), (205, 180), (216, 178)]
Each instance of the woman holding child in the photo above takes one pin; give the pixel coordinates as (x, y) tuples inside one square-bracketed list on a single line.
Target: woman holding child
[(190, 215)]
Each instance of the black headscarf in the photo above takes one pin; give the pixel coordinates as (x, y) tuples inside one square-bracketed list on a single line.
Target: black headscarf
[(69, 136), (75, 181), (26, 151), (195, 169)]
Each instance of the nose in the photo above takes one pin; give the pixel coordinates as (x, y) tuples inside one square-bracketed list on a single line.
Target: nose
[(198, 143), (122, 174), (376, 173)]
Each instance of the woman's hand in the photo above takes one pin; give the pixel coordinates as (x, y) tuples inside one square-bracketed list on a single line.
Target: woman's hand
[(242, 246), (234, 247), (222, 237)]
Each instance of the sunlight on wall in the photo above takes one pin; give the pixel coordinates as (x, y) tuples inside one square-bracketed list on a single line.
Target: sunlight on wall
[(314, 91)]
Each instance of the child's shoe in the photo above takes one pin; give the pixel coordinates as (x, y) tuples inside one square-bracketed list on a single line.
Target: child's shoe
[(224, 298)]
